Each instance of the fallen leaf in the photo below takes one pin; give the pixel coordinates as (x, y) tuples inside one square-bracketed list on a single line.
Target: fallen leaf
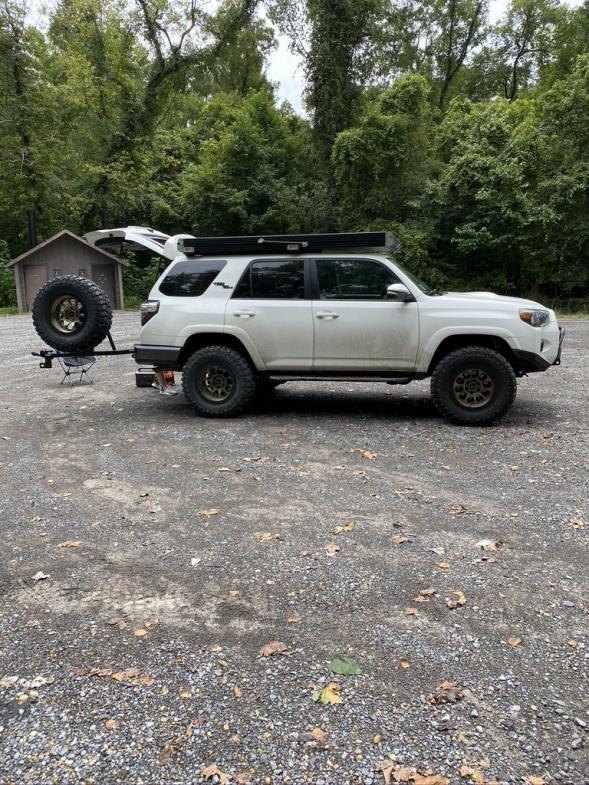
[(427, 592), (573, 643), (430, 779), (8, 681), (39, 576), (267, 536), (403, 774), (344, 666), (151, 624), (443, 565), (236, 691), (460, 509), (210, 512), (513, 642), (376, 739), (410, 611), (533, 780), (405, 664), (399, 540), (274, 647), (328, 695), (233, 593), (110, 724), (347, 528), (318, 735), (370, 456), (576, 523), (385, 767), (294, 619), (214, 771), (488, 545), (332, 549), (125, 675), (447, 692), (139, 633), (33, 624), (36, 519), (243, 777), (460, 599), (70, 544)]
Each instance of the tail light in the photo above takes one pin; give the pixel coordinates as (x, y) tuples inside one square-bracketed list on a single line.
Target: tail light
[(148, 309)]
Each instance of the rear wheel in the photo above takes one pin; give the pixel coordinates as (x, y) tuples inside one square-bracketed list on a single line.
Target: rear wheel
[(219, 382), (72, 314), (473, 386)]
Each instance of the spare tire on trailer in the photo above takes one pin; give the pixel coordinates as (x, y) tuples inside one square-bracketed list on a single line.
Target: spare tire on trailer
[(72, 314)]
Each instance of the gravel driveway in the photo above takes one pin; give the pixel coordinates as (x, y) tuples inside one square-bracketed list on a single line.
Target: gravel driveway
[(149, 556)]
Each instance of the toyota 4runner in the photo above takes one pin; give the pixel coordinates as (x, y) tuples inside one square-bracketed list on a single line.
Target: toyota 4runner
[(243, 313)]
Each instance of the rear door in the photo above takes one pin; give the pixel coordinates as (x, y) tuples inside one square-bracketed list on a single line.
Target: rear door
[(356, 327), (270, 308), (104, 276)]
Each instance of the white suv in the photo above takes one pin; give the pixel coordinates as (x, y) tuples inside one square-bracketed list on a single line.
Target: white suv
[(240, 314)]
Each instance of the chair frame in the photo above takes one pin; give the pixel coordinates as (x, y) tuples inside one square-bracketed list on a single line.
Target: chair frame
[(76, 366)]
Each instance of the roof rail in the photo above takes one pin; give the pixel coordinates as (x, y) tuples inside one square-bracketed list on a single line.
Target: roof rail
[(288, 243)]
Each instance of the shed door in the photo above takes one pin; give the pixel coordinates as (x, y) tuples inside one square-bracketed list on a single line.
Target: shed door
[(104, 276), (35, 278)]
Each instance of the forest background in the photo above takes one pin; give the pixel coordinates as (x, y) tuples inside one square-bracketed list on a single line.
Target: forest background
[(468, 140)]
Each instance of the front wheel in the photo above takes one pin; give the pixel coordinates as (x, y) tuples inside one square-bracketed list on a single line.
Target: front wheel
[(473, 386), (219, 382)]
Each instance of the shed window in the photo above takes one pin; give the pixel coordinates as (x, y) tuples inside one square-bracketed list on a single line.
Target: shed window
[(82, 272), (56, 272)]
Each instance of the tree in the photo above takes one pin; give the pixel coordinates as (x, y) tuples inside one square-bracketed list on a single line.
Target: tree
[(523, 40), (380, 165), (28, 122)]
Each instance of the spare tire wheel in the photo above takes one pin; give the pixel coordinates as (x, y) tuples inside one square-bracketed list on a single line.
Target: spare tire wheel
[(72, 314)]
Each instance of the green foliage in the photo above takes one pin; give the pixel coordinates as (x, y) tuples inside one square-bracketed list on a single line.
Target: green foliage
[(379, 165), (469, 142), (7, 285)]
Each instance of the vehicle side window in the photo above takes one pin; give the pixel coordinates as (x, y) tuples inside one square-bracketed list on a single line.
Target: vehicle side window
[(191, 279), (353, 279), (277, 280)]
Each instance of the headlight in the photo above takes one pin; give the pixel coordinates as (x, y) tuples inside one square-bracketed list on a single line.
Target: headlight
[(535, 318)]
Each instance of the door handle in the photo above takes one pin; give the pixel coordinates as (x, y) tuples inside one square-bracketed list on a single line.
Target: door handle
[(244, 314), (327, 315)]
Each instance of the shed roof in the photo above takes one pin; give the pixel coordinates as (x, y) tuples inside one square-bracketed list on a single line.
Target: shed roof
[(67, 233)]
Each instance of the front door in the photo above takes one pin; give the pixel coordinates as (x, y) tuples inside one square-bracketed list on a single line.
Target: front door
[(268, 311), (356, 327), (104, 276), (35, 278)]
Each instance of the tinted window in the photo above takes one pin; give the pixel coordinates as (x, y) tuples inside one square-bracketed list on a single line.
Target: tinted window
[(190, 279), (353, 279), (284, 280)]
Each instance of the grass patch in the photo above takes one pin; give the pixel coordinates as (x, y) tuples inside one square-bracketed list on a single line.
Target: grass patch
[(9, 310), (568, 315)]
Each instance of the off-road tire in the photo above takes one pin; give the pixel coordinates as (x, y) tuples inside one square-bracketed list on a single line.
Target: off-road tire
[(88, 329), (447, 385), (224, 363)]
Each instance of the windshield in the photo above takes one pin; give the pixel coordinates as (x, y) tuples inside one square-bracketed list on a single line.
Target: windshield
[(421, 285)]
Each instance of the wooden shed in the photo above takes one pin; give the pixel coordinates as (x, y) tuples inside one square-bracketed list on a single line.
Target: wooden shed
[(67, 254)]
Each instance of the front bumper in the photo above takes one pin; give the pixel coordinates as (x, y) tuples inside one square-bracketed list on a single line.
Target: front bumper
[(161, 356), (530, 362)]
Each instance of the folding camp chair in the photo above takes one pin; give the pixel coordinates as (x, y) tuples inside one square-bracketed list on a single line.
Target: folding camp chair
[(73, 367)]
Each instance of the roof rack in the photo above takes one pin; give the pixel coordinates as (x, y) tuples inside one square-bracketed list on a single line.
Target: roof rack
[(288, 243)]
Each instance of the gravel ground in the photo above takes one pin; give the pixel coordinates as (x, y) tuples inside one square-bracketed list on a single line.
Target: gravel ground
[(138, 588)]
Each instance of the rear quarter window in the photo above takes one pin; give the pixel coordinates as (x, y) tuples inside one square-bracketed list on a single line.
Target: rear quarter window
[(192, 278)]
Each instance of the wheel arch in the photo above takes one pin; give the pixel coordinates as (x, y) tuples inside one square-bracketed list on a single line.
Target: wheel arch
[(198, 341), (461, 341)]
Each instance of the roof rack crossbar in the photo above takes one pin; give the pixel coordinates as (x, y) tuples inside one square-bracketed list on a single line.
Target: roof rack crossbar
[(292, 243)]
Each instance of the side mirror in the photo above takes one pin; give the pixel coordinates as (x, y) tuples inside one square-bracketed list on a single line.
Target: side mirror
[(399, 293)]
